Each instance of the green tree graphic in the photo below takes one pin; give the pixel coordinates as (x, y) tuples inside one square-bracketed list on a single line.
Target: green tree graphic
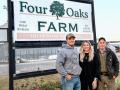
[(57, 9)]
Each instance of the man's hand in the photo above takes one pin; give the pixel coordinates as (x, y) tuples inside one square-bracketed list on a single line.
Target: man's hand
[(68, 77)]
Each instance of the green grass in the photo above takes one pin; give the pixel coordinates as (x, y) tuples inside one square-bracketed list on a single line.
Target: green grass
[(118, 82)]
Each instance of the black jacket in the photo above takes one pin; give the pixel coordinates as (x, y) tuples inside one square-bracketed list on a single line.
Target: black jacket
[(90, 70), (112, 63)]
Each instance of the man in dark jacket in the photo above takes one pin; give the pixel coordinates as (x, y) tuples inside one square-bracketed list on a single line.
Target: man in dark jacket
[(109, 66)]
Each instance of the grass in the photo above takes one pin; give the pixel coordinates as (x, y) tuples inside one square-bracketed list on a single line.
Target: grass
[(49, 82), (4, 83), (118, 82)]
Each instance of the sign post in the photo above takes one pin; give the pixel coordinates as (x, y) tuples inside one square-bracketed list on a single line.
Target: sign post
[(11, 53)]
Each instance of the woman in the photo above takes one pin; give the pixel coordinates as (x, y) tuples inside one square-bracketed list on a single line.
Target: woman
[(89, 64)]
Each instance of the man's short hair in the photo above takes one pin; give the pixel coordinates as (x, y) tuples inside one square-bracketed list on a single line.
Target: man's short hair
[(101, 38), (70, 35)]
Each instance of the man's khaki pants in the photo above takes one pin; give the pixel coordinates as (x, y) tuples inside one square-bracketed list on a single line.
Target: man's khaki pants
[(106, 83)]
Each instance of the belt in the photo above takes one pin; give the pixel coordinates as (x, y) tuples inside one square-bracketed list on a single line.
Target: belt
[(104, 73), (70, 74), (73, 75)]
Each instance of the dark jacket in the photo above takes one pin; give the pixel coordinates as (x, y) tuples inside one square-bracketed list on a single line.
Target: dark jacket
[(112, 63), (90, 70)]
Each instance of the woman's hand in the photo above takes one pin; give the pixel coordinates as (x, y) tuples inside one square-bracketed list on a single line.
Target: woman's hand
[(94, 84), (114, 77)]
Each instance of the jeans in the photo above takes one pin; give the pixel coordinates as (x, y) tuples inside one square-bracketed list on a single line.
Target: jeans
[(73, 84)]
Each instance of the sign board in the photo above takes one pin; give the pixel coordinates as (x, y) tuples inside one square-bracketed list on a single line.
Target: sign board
[(49, 20)]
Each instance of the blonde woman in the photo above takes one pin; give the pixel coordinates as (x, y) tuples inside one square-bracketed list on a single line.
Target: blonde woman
[(90, 67)]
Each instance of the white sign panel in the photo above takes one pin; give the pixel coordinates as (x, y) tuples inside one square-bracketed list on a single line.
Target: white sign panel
[(49, 20)]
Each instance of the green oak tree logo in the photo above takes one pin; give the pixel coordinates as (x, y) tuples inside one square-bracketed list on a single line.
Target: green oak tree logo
[(56, 8)]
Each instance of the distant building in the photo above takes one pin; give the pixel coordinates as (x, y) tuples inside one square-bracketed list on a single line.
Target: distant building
[(5, 25), (115, 46), (111, 47)]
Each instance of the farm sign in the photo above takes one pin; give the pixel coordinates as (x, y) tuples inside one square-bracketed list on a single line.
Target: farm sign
[(51, 20)]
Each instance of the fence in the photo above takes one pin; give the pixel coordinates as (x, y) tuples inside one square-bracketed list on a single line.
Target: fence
[(27, 53), (4, 52)]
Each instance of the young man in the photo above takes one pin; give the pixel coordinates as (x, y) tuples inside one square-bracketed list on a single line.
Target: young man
[(109, 66), (68, 65)]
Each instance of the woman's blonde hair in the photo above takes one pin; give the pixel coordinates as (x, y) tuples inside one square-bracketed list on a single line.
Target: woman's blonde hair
[(82, 52)]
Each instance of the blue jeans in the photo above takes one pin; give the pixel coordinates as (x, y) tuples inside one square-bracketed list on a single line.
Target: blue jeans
[(73, 84)]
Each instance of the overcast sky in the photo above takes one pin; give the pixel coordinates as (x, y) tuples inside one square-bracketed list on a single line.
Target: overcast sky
[(107, 14), (3, 12)]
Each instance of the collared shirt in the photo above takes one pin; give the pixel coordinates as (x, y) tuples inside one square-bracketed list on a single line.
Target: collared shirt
[(103, 61)]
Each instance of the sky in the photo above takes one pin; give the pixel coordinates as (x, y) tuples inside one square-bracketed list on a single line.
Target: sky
[(3, 12), (107, 18)]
